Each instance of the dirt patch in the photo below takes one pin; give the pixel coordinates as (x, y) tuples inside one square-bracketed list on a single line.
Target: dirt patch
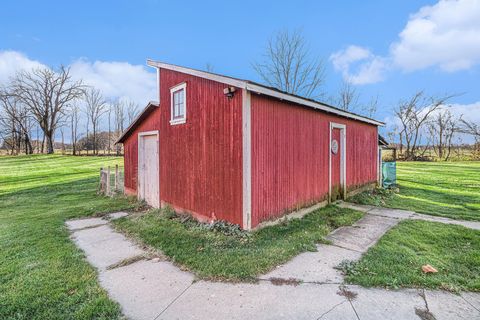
[(126, 262), (424, 314), (344, 292), (285, 282)]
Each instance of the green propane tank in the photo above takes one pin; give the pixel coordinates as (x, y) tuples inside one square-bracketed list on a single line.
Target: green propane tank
[(389, 174)]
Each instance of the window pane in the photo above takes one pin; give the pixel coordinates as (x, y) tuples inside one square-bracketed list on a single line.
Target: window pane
[(178, 104), (181, 110)]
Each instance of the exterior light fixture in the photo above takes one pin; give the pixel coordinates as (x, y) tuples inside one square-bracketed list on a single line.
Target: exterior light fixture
[(229, 91)]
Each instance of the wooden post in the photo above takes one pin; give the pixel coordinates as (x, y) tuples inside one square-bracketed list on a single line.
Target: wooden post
[(100, 187), (108, 181), (116, 178)]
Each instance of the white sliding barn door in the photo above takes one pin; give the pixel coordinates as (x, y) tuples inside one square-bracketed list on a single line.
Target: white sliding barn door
[(148, 168)]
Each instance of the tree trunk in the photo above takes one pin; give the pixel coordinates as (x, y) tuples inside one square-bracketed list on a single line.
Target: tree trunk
[(50, 141), (95, 152), (43, 144), (28, 145)]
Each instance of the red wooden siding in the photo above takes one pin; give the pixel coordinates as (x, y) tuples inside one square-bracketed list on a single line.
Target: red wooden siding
[(201, 160), (152, 122), (290, 149)]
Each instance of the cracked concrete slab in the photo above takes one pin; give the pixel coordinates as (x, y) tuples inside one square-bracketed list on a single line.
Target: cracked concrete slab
[(406, 214), (445, 305), (145, 288), (207, 300), (73, 225), (104, 247), (362, 234), (373, 304), (354, 206), (342, 311), (315, 266), (392, 213), (473, 298), (117, 215), (154, 289)]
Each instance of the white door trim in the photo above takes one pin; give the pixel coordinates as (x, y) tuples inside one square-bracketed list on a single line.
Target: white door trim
[(140, 191), (343, 159)]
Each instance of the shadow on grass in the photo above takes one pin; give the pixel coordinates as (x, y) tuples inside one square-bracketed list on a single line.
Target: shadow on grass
[(457, 206)]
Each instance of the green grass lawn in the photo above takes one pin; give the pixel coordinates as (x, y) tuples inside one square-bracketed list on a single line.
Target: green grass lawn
[(42, 274), (397, 258), (234, 256), (449, 189)]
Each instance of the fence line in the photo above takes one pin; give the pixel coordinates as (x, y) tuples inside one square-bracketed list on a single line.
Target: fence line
[(105, 186)]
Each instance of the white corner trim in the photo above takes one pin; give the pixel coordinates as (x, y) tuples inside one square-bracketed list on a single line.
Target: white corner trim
[(379, 169), (158, 85), (247, 160), (181, 86), (343, 159)]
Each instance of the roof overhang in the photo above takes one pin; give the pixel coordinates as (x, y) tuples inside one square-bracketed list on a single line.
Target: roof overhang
[(151, 106), (382, 142), (261, 89)]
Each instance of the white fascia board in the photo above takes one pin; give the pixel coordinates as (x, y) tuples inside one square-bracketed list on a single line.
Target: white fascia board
[(260, 89), (316, 105), (198, 73)]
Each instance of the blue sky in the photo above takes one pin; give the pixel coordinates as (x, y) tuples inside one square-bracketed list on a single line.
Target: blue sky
[(98, 35)]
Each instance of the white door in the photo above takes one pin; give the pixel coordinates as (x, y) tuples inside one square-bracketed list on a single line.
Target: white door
[(148, 162)]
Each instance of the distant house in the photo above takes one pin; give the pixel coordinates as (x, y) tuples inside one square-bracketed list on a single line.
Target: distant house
[(223, 148)]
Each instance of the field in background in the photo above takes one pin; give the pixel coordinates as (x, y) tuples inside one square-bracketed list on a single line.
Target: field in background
[(449, 189), (42, 274)]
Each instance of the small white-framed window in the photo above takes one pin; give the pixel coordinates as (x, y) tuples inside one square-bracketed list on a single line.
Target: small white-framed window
[(178, 109)]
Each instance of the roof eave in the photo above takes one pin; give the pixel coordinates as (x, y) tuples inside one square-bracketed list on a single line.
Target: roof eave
[(126, 132), (257, 88)]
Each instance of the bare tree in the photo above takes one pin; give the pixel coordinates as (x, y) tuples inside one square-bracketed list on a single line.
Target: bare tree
[(16, 117), (95, 107), (370, 109), (132, 110), (472, 128), (347, 97), (413, 115), (209, 67), (469, 127), (46, 93), (119, 120), (289, 66), (109, 113), (442, 128), (74, 120)]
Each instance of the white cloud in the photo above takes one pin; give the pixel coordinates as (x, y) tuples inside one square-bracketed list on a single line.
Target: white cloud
[(445, 35), (120, 80), (116, 80), (470, 112), (13, 61), (358, 65)]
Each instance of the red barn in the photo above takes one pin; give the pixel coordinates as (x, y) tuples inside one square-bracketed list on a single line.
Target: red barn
[(223, 148)]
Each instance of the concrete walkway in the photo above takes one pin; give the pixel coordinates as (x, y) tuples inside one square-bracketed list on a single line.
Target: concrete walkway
[(148, 287)]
